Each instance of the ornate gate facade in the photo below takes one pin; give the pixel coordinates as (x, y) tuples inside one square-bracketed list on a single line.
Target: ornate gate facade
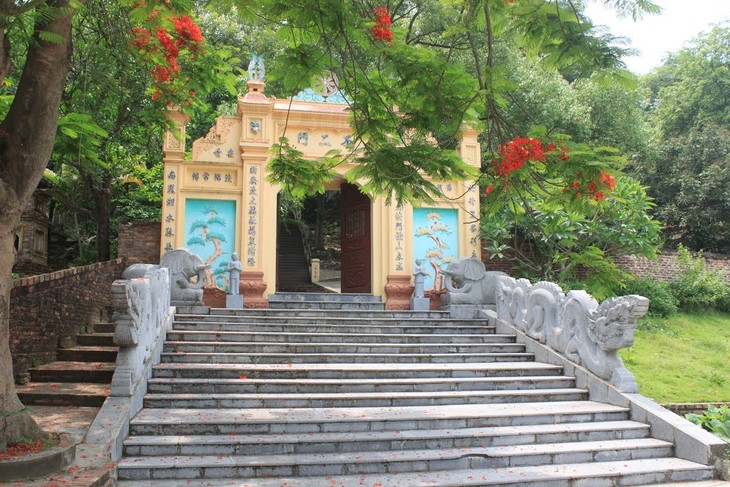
[(219, 201)]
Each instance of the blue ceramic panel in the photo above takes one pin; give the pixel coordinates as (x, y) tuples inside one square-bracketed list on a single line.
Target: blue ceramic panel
[(436, 241), (210, 232)]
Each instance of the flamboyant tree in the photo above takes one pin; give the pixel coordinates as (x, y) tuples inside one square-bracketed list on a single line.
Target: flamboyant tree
[(28, 128), (415, 71)]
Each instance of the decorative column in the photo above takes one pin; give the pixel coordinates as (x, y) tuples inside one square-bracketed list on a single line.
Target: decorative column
[(255, 110), (398, 288), (173, 149), (470, 152)]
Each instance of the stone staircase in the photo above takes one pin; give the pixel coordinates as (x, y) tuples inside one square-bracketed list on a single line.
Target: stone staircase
[(292, 266), (350, 397), (80, 377)]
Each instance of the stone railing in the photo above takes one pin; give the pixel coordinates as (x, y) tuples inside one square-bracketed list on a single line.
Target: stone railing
[(575, 325), (142, 316)]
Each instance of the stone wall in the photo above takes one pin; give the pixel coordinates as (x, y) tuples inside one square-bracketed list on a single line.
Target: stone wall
[(50, 308), (663, 268), (693, 407), (139, 242), (505, 264)]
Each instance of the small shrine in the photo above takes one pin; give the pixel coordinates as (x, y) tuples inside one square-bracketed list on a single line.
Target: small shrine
[(220, 202)]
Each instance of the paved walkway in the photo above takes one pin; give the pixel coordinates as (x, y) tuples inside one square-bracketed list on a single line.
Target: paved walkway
[(72, 420)]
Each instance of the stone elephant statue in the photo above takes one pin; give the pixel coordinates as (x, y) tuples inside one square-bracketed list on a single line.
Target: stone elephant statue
[(468, 282), (185, 265)]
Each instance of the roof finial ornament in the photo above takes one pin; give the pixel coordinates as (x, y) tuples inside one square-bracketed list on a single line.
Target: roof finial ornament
[(256, 74), (256, 69)]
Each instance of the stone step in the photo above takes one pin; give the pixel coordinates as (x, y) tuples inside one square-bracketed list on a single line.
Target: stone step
[(334, 358), (285, 444), (103, 328), (88, 354), (333, 297), (315, 325), (359, 399), (244, 384), (184, 421), (63, 394), (99, 372), (610, 473), (307, 464), (319, 313), (176, 336), (348, 371), (345, 305), (327, 348), (96, 339)]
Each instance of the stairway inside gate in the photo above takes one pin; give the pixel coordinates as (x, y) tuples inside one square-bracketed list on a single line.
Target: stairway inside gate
[(331, 390)]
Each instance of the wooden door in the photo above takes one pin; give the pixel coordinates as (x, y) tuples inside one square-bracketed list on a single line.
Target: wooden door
[(355, 240)]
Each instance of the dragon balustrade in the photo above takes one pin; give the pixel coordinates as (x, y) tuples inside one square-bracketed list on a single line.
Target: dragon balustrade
[(574, 324)]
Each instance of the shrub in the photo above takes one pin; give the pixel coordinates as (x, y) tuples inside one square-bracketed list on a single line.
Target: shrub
[(663, 302), (715, 420), (698, 288)]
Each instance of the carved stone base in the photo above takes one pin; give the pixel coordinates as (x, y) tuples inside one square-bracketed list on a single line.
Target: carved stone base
[(420, 304), (252, 288), (234, 301), (398, 291), (435, 297), (214, 297)]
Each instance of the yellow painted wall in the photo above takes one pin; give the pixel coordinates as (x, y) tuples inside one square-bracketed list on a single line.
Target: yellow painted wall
[(234, 156)]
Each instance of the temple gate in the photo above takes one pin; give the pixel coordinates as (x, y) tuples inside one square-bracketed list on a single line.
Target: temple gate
[(219, 201)]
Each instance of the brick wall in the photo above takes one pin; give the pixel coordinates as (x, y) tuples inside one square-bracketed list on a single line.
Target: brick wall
[(139, 242), (47, 308), (505, 264), (664, 267)]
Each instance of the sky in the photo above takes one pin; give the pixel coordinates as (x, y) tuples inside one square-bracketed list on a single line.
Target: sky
[(656, 35)]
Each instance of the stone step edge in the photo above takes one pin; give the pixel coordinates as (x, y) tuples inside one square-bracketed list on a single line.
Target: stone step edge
[(340, 437), (63, 365), (192, 343), (356, 322), (374, 381), (325, 335), (376, 367), (90, 389), (222, 461), (175, 416), (351, 354), (673, 468), (345, 396)]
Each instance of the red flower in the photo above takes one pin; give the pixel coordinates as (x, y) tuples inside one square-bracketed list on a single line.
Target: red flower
[(381, 30), (517, 152), (167, 43), (488, 190), (142, 38), (187, 30), (608, 180)]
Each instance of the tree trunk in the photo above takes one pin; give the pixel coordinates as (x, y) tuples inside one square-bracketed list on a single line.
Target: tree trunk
[(103, 225), (26, 143)]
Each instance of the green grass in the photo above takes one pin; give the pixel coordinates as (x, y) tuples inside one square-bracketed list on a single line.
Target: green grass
[(685, 358)]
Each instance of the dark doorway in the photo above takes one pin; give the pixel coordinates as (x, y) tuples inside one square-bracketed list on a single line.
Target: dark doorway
[(355, 240)]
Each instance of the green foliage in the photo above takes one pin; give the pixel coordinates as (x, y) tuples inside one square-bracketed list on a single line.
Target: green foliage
[(297, 176), (689, 171), (698, 287), (682, 358), (663, 302), (716, 420), (561, 237)]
